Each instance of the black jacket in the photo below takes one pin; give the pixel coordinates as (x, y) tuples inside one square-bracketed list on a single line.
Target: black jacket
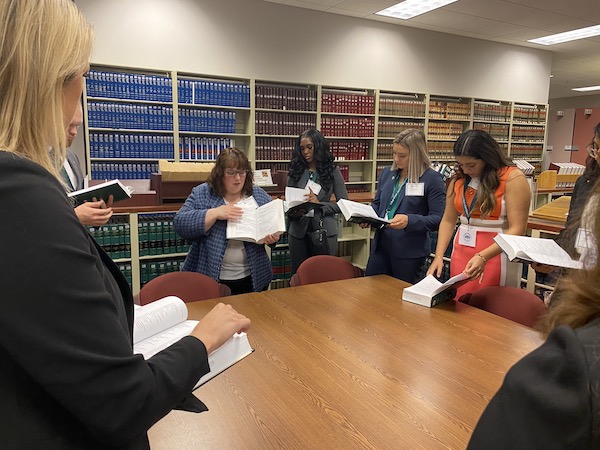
[(550, 399), (68, 376)]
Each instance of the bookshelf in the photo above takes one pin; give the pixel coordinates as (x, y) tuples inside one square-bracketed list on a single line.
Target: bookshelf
[(282, 112), (134, 117), (212, 114)]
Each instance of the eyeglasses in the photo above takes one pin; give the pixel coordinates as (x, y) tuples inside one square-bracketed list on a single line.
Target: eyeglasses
[(233, 173)]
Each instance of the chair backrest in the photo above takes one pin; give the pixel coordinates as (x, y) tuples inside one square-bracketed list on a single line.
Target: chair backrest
[(322, 268), (188, 286), (512, 303)]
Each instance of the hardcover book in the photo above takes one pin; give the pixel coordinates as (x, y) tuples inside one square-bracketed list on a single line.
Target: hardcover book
[(257, 223), (542, 251), (160, 324), (430, 292), (102, 191), (360, 213)]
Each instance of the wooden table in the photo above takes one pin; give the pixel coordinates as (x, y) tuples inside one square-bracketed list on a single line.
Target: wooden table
[(346, 365)]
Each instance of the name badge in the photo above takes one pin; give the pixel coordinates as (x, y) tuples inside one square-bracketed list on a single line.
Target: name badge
[(585, 239), (415, 189), (467, 236)]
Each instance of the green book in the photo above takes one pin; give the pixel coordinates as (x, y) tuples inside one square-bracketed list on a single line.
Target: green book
[(102, 191)]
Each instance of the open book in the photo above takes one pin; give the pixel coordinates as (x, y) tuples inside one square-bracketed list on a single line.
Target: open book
[(102, 191), (257, 223), (295, 200), (160, 324), (528, 249), (430, 292), (360, 213)]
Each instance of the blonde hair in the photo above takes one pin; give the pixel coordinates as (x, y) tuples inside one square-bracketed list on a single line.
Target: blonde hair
[(418, 162), (44, 44)]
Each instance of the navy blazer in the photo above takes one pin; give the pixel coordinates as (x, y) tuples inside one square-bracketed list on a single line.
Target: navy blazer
[(424, 213)]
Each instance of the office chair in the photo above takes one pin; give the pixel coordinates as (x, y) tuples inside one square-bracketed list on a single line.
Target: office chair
[(322, 268), (188, 286), (518, 305)]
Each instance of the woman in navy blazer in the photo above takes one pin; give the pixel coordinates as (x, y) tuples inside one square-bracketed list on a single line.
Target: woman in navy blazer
[(412, 196)]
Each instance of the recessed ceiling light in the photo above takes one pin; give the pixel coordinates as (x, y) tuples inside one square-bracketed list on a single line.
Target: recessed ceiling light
[(412, 8), (585, 89), (567, 36)]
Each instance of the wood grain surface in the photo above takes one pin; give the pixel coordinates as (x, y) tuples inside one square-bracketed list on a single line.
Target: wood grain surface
[(349, 365)]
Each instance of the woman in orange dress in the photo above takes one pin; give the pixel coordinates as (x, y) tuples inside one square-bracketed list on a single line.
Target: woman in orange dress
[(488, 196)]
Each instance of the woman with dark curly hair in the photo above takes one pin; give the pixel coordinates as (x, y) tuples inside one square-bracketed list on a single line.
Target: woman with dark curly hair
[(312, 161)]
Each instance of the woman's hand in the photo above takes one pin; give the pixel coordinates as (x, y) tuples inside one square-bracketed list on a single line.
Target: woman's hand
[(219, 325), (228, 212), (436, 267), (475, 267), (271, 239), (312, 197), (364, 225), (399, 222)]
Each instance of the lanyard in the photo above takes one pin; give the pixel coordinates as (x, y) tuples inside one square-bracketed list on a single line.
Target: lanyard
[(464, 203), (394, 200)]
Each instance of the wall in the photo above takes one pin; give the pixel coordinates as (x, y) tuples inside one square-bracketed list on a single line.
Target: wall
[(560, 134), (263, 40), (583, 132)]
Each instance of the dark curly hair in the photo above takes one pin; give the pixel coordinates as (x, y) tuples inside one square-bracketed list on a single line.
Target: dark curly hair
[(230, 158), (322, 155)]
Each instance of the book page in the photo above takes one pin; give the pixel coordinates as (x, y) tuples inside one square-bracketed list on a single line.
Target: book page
[(427, 286), (357, 209), (295, 196), (543, 251), (157, 316), (157, 343), (160, 324), (270, 219), (244, 228)]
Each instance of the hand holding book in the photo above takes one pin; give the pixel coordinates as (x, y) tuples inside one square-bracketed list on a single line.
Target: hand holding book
[(162, 323)]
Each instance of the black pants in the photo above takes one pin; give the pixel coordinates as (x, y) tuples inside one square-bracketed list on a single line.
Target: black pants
[(241, 286), (300, 250)]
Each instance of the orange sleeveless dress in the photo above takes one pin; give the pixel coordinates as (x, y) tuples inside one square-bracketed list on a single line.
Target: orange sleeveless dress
[(498, 270)]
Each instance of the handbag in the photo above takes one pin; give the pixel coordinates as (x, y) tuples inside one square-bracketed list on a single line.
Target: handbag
[(317, 240)]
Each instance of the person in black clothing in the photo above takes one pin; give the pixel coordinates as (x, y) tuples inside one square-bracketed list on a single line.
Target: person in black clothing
[(551, 398), (583, 186), (68, 376)]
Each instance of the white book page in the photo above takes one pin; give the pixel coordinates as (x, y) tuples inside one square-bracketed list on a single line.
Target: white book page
[(543, 251), (295, 196), (157, 316), (431, 286), (245, 226), (355, 208), (157, 343), (427, 286), (270, 219)]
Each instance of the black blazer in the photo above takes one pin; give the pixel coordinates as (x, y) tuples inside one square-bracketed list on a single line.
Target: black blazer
[(68, 376), (424, 213), (550, 399)]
